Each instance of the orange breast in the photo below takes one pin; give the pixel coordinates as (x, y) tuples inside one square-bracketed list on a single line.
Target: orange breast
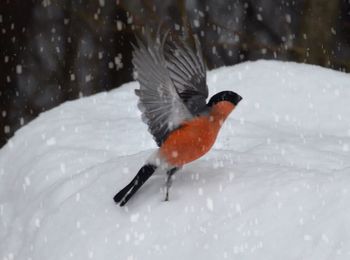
[(195, 138)]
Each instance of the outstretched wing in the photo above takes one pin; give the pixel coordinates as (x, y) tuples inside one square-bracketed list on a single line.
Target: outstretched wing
[(188, 73), (162, 108)]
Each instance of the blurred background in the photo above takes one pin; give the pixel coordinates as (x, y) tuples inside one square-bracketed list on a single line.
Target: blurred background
[(57, 50)]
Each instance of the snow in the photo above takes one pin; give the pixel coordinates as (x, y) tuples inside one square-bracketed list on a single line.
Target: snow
[(275, 185)]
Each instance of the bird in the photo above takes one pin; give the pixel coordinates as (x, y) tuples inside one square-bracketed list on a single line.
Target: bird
[(172, 98)]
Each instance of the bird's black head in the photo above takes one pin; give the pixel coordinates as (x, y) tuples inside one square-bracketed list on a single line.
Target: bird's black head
[(230, 96)]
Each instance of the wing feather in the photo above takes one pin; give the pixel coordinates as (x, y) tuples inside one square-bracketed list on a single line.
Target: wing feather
[(187, 71), (161, 106), (173, 87)]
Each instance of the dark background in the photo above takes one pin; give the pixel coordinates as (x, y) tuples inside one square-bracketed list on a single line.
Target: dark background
[(57, 50)]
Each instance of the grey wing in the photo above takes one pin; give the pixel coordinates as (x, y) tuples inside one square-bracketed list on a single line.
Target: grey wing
[(162, 108), (188, 73)]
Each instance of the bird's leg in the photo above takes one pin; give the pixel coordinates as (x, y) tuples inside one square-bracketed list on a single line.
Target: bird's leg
[(169, 181)]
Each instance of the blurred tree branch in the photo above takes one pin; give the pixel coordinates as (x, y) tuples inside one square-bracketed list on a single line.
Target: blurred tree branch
[(317, 31)]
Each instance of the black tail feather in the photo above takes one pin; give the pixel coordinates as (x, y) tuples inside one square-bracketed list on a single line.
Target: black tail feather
[(129, 190), (121, 194)]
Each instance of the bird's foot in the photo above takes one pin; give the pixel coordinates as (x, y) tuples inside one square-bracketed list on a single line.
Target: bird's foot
[(167, 196)]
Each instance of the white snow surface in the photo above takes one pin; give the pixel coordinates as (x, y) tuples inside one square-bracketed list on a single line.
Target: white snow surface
[(276, 184)]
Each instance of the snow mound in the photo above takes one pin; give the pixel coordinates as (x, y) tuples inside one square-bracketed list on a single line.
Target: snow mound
[(275, 185)]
